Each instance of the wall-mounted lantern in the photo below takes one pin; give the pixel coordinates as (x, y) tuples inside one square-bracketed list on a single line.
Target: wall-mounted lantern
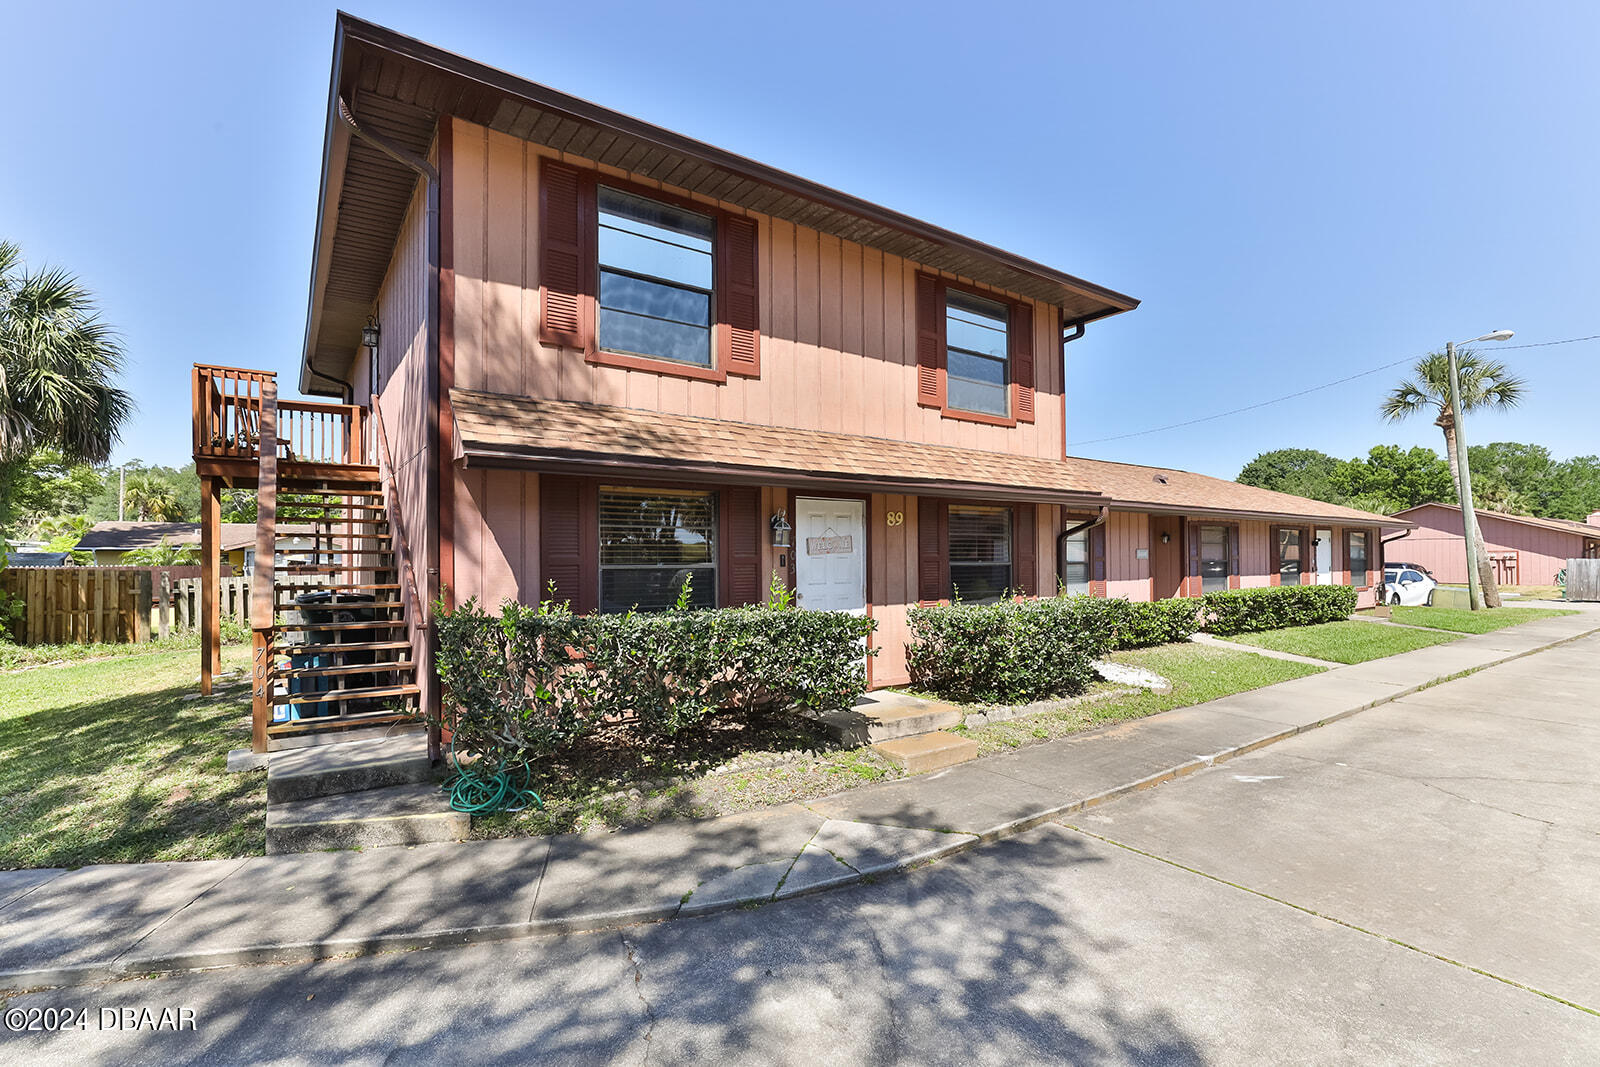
[(369, 334), (1166, 538), (782, 532)]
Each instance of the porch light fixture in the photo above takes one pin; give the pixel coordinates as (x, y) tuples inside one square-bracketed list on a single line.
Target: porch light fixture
[(369, 333), (782, 532), (1166, 538)]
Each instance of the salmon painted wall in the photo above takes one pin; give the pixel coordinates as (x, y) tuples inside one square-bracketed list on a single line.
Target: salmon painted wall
[(837, 322), (1438, 545)]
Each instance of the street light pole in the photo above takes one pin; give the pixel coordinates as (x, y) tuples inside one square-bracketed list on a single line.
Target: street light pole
[(1469, 517)]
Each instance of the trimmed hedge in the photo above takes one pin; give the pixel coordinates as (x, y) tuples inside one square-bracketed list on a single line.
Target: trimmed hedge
[(1016, 651), (1243, 611), (534, 679)]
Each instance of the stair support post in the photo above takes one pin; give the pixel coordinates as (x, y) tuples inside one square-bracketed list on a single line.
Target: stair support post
[(263, 592)]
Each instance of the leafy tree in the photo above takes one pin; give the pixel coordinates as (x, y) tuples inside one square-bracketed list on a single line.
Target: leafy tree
[(43, 485), (151, 498), (58, 369), (1396, 478), (1485, 383), (166, 554), (1301, 471)]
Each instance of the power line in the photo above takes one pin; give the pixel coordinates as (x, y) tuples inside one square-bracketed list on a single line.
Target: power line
[(1303, 392)]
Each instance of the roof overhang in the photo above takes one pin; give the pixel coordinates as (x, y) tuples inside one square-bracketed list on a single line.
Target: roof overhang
[(399, 87)]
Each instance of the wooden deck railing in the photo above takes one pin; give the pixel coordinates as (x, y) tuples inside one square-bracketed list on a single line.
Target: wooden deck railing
[(228, 415)]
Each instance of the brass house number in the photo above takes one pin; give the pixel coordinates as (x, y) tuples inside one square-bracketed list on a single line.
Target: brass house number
[(895, 518)]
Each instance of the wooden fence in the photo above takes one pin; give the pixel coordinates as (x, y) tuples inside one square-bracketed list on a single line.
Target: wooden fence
[(1583, 579), (79, 605)]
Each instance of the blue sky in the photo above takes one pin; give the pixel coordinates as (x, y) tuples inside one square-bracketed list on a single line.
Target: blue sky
[(1296, 192)]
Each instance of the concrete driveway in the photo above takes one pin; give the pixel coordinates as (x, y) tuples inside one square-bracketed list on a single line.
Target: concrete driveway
[(1416, 884)]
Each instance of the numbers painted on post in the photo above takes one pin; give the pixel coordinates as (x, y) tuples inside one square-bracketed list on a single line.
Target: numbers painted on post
[(895, 518)]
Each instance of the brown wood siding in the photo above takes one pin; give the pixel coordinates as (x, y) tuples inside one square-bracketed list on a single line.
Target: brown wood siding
[(837, 322)]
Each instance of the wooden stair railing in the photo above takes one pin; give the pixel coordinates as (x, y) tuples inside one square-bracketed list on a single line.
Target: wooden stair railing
[(263, 609), (414, 608)]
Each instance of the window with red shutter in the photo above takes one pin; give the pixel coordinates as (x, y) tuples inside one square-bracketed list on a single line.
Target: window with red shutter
[(566, 256)]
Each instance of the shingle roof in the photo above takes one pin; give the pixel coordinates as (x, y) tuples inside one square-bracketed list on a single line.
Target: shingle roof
[(1568, 526), (119, 536), (494, 429)]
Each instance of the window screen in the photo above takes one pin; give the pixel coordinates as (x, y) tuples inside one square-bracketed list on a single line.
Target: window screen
[(980, 552), (650, 541), (655, 279), (1356, 541), (1216, 561), (976, 347), (1075, 563)]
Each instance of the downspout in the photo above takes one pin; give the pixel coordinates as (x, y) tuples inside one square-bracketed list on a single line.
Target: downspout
[(1071, 531), (425, 671), (1076, 327)]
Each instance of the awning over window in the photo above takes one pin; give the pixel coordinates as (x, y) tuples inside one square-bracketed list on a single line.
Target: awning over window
[(495, 430)]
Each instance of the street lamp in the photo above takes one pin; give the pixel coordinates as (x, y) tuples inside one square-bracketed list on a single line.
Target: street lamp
[(1469, 517)]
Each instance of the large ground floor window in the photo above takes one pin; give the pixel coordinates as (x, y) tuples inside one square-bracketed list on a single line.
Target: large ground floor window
[(651, 541), (980, 552), (1291, 557), (1356, 553), (1075, 563), (1216, 558)]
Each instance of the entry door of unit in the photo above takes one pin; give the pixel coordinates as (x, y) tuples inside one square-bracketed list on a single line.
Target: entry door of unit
[(831, 554), (1324, 557)]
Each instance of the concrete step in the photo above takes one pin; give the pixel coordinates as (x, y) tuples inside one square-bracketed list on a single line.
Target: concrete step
[(349, 767), (885, 716), (928, 752), (398, 815)]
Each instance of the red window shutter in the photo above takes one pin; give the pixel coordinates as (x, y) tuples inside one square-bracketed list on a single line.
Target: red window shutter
[(933, 549), (1097, 561), (740, 557), (1192, 583), (1233, 557), (566, 255), (930, 341), (569, 541), (1025, 549), (1022, 361), (738, 307)]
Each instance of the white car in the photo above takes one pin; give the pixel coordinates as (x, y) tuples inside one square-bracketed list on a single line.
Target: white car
[(1408, 587)]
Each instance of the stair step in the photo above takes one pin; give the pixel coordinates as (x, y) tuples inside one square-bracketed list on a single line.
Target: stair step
[(335, 587), (336, 727), (344, 520), (327, 627), (396, 815), (380, 667), (331, 696), (340, 551), (350, 767), (928, 752), (353, 646), (886, 716), (299, 488)]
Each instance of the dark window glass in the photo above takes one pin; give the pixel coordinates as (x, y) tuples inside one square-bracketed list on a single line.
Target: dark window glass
[(1216, 559), (650, 541), (1356, 541), (980, 552), (976, 347), (1075, 563), (655, 279), (1290, 563)]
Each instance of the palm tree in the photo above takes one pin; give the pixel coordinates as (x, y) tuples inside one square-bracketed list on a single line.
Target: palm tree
[(165, 554), (58, 367), (1485, 383), (151, 499)]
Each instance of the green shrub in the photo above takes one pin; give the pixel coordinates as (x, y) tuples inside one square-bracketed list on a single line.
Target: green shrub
[(1013, 651), (1241, 611), (531, 680)]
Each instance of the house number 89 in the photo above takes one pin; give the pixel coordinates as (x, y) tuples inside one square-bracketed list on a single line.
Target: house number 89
[(895, 518)]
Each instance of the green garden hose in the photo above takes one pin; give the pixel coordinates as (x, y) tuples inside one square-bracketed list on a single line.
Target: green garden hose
[(472, 791)]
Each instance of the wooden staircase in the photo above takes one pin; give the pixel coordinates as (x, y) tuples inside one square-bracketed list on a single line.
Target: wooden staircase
[(340, 654)]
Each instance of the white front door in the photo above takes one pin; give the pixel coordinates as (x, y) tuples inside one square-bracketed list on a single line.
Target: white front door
[(1324, 557), (831, 551)]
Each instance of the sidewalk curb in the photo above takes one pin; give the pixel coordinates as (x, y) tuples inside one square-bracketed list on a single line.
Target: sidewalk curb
[(296, 952)]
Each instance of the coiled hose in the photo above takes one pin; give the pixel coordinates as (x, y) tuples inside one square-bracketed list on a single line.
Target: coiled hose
[(508, 788)]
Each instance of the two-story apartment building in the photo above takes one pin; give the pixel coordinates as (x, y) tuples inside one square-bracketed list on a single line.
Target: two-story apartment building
[(610, 358)]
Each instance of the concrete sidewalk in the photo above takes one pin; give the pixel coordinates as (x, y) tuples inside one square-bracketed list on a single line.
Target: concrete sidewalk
[(102, 922)]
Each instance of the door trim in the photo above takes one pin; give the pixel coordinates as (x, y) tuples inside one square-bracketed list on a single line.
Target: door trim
[(866, 547)]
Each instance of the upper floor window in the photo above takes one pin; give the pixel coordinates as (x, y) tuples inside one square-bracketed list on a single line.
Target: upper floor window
[(980, 552), (976, 348), (656, 279)]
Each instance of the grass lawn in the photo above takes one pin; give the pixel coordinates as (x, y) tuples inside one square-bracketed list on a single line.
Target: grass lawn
[(1473, 622), (120, 760), (1197, 674), (1347, 642)]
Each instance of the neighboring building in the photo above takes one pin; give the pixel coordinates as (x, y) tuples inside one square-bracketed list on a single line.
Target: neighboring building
[(609, 357), (649, 349), (110, 541), (1525, 550)]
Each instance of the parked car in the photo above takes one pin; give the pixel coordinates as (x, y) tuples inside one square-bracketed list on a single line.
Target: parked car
[(1408, 586)]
